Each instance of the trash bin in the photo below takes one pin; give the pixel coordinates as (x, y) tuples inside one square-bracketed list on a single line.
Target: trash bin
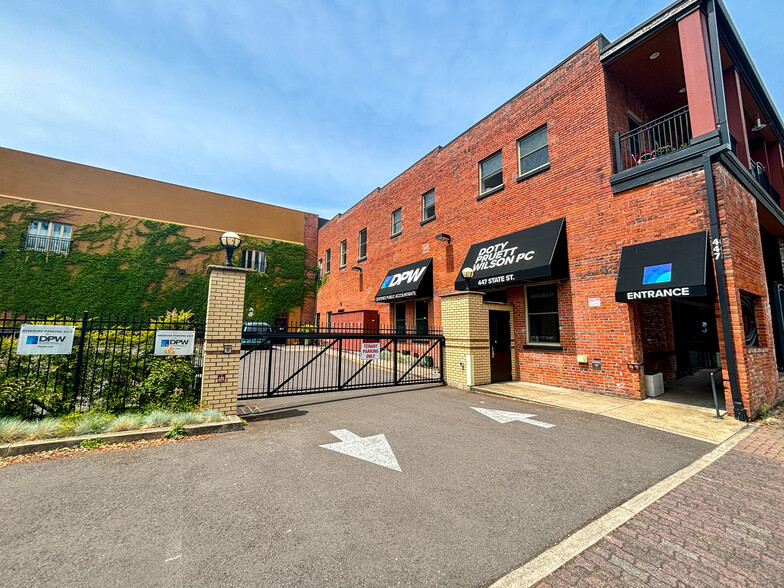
[(654, 384)]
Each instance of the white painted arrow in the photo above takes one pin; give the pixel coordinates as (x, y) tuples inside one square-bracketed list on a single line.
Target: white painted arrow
[(374, 449), (503, 416)]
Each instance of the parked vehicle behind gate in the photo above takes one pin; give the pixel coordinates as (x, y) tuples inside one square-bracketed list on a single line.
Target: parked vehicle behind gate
[(254, 334)]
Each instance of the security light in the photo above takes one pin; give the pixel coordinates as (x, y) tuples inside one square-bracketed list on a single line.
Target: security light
[(443, 237), (356, 268)]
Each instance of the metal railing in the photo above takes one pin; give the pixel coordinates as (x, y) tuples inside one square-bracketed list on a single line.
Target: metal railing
[(44, 243), (106, 368), (657, 138)]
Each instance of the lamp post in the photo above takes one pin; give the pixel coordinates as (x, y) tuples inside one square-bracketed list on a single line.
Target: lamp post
[(467, 273), (231, 242)]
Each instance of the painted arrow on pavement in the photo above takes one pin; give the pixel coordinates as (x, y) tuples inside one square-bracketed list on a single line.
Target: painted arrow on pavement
[(374, 449), (503, 416)]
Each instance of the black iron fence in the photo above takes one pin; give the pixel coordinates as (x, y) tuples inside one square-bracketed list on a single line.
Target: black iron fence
[(310, 358), (44, 243), (111, 365), (657, 138)]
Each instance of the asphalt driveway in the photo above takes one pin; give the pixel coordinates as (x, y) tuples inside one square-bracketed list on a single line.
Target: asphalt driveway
[(471, 498)]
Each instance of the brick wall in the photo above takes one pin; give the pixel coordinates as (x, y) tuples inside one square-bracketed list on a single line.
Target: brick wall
[(308, 312)]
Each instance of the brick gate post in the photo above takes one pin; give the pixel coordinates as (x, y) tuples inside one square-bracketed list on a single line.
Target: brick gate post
[(466, 325), (225, 309)]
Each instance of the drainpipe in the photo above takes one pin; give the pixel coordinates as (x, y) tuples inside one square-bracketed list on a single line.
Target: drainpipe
[(721, 282)]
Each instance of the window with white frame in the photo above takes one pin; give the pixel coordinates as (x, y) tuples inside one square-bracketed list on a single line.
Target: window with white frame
[(541, 314), (343, 245), (532, 152), (490, 173), (48, 236), (254, 260), (362, 245), (327, 261), (320, 273), (397, 222), (429, 205)]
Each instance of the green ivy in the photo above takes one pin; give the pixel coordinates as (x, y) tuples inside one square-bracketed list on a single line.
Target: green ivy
[(126, 267)]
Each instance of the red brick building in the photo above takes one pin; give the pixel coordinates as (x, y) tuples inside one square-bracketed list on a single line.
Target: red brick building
[(621, 215)]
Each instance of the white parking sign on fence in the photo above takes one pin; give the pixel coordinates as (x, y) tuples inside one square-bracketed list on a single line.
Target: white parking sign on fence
[(174, 342), (370, 351), (45, 340)]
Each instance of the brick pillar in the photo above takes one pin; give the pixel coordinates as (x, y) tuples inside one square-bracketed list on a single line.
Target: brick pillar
[(466, 325), (225, 302)]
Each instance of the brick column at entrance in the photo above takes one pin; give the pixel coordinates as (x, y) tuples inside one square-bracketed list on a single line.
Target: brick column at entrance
[(466, 326), (225, 304)]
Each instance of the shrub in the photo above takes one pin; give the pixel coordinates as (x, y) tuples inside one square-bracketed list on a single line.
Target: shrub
[(92, 422), (42, 429), (212, 416), (11, 429), (124, 422), (169, 385), (156, 419), (24, 397), (176, 432)]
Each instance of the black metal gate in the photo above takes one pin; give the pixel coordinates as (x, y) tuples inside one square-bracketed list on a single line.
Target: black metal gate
[(298, 361)]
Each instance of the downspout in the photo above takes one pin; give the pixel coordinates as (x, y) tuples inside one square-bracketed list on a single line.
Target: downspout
[(721, 282), (710, 191)]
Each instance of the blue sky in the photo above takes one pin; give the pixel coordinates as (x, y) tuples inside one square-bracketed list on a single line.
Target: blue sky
[(306, 104)]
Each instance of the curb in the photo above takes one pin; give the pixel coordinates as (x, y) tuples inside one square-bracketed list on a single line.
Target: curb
[(22, 447), (553, 558)]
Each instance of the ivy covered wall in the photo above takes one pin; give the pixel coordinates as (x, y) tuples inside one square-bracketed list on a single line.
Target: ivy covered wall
[(125, 267)]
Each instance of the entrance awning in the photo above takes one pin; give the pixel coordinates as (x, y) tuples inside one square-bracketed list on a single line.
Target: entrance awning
[(538, 252), (668, 268), (414, 280)]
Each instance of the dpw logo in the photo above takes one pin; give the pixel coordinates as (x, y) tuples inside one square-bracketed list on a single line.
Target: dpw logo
[(36, 339), (410, 276), (167, 342)]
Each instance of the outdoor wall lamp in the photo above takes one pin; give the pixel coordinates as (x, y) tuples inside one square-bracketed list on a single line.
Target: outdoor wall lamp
[(467, 273), (231, 242), (444, 237), (356, 268)]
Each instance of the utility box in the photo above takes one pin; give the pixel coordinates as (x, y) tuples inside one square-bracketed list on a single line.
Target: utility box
[(654, 384)]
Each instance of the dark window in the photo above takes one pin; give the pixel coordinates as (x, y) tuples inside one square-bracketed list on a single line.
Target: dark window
[(420, 317), (320, 273), (533, 151), (343, 253), (490, 175), (542, 314), (429, 205), (400, 317), (327, 261), (329, 321), (397, 222), (362, 246), (748, 305), (255, 260)]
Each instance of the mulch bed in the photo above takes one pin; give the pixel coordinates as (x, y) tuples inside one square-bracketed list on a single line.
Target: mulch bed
[(76, 451)]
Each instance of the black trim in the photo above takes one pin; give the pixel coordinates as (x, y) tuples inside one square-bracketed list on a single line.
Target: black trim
[(429, 220), (392, 236), (489, 192), (744, 176), (541, 347), (533, 172)]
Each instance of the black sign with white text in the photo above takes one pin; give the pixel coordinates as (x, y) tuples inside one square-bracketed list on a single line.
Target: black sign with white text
[(537, 252)]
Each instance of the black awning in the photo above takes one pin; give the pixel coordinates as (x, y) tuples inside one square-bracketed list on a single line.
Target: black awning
[(668, 268), (538, 252), (414, 280)]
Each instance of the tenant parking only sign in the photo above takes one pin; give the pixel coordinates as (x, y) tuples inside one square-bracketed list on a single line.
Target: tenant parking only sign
[(45, 340), (174, 342)]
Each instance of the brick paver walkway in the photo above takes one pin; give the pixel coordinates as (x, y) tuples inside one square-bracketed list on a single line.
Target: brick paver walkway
[(722, 527)]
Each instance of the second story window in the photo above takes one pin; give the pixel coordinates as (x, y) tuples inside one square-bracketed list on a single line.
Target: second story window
[(320, 273), (47, 236), (343, 245), (490, 174), (429, 205), (255, 260), (362, 245), (533, 152), (327, 261), (397, 222)]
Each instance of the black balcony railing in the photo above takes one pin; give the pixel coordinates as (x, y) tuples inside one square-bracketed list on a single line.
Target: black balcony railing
[(44, 243), (759, 174), (657, 138)]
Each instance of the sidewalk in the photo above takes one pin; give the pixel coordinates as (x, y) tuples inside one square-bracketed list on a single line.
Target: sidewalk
[(723, 526)]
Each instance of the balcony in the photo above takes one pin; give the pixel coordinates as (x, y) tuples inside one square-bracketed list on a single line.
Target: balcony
[(653, 140), (44, 244)]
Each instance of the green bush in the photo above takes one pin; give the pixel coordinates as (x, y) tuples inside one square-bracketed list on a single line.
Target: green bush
[(169, 385)]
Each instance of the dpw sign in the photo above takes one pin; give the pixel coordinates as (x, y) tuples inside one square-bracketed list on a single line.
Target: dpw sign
[(410, 277), (174, 342), (45, 340)]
